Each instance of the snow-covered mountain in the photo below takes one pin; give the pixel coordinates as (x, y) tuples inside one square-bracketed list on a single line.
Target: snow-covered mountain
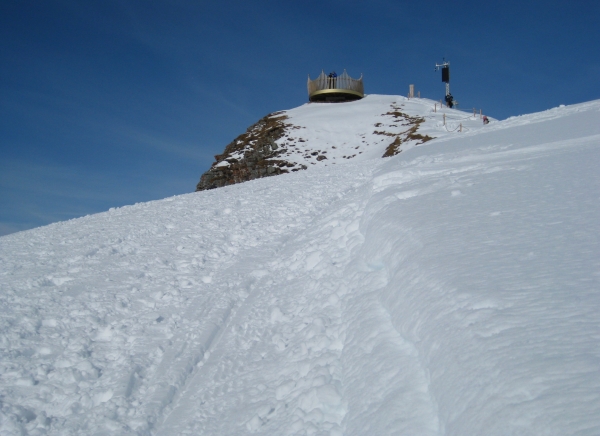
[(452, 289), (318, 134)]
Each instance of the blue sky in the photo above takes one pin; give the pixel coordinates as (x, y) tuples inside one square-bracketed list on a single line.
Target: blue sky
[(108, 103)]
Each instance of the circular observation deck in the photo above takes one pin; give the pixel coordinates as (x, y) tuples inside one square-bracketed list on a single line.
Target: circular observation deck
[(335, 89)]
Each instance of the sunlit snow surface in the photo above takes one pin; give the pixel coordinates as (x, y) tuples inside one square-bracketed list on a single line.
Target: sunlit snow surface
[(363, 129), (450, 290)]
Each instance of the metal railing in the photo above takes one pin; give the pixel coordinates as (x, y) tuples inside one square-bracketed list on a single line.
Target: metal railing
[(343, 82)]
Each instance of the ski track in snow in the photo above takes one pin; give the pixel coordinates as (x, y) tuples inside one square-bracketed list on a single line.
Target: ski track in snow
[(451, 290), (146, 301)]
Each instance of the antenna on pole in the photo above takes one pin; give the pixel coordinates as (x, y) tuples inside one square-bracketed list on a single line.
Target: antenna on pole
[(445, 66)]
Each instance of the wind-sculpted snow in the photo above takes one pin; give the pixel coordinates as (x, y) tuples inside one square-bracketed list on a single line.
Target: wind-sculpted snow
[(452, 289)]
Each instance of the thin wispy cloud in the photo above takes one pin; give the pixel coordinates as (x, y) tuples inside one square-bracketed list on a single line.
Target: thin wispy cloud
[(145, 139)]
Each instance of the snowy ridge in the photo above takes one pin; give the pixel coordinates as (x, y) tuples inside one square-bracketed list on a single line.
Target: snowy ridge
[(452, 289), (362, 130), (325, 134)]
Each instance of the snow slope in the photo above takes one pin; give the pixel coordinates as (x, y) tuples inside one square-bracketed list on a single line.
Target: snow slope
[(363, 129), (450, 290), (318, 134)]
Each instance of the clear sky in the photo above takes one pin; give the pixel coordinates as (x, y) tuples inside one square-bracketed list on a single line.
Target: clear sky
[(107, 103)]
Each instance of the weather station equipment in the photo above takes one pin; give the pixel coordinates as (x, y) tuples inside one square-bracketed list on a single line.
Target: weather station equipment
[(445, 67)]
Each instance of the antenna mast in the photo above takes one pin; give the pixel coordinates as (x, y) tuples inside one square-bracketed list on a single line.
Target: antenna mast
[(445, 66)]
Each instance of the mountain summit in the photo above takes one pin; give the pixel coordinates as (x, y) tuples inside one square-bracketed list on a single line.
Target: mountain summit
[(323, 134)]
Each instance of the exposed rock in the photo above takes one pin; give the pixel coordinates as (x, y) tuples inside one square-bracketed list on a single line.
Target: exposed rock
[(251, 155), (408, 135), (273, 146)]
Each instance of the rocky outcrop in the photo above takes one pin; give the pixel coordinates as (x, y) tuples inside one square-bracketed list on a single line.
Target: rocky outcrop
[(277, 144), (408, 135), (252, 155)]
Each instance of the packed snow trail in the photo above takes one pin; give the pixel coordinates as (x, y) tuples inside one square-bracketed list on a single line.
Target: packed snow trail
[(297, 315), (118, 312), (451, 290)]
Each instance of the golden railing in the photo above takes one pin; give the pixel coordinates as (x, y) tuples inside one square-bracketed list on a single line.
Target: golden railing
[(341, 84)]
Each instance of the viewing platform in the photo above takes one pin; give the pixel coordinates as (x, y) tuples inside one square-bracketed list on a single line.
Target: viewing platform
[(335, 89)]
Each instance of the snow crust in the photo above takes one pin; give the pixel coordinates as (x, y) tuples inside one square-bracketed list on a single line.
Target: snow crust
[(363, 129), (450, 290)]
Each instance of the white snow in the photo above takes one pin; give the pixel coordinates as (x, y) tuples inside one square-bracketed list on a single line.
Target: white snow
[(450, 290), (363, 129)]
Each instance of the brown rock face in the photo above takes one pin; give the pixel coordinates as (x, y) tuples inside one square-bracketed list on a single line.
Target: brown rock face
[(251, 155), (409, 135), (256, 153)]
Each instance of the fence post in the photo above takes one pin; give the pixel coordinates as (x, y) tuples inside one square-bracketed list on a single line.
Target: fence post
[(411, 91), (460, 130), (435, 107), (444, 119), (479, 113), (473, 112)]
